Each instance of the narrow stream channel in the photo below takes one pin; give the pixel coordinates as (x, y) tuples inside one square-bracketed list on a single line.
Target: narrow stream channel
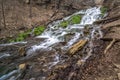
[(58, 40)]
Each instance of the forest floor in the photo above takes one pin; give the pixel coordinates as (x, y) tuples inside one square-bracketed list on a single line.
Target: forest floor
[(17, 18), (104, 64)]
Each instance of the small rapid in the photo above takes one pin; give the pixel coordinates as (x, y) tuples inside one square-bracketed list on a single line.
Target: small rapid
[(55, 34)]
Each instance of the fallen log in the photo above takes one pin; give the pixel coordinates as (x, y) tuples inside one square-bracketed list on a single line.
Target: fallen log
[(108, 20), (79, 45), (109, 39)]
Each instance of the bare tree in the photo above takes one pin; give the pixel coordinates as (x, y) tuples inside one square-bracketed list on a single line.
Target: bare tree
[(0, 18), (3, 13), (30, 15), (58, 3)]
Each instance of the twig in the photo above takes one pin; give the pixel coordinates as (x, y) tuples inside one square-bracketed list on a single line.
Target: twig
[(54, 13), (109, 39)]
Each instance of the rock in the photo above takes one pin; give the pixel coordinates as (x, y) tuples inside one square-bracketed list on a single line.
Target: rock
[(32, 79), (27, 1), (98, 2), (117, 65), (119, 76), (22, 66), (80, 62)]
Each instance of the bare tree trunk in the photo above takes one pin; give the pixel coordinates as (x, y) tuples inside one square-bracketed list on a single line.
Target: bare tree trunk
[(0, 18), (30, 15), (58, 3), (15, 14), (3, 13)]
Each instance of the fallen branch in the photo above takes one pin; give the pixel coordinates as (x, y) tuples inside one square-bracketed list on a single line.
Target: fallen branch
[(111, 25), (108, 20), (79, 45), (109, 39), (110, 45)]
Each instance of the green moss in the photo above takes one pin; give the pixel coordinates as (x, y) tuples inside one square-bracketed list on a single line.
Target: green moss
[(64, 24), (11, 40), (39, 30), (21, 36), (103, 10), (76, 19)]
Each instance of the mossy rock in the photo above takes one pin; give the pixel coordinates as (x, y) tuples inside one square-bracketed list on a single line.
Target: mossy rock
[(39, 30), (64, 24), (75, 19), (11, 40), (21, 36)]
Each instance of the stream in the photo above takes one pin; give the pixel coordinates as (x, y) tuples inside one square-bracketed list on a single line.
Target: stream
[(49, 47)]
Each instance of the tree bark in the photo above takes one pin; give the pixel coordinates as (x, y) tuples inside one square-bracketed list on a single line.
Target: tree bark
[(30, 15), (3, 13)]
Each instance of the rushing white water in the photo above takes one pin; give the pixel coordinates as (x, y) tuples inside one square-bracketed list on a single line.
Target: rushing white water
[(2, 55), (55, 34), (8, 44), (8, 76)]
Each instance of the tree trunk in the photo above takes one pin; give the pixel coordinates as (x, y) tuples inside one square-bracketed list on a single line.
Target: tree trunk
[(3, 13), (30, 15)]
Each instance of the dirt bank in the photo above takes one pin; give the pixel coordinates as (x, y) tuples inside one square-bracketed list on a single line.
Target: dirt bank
[(104, 64), (20, 16)]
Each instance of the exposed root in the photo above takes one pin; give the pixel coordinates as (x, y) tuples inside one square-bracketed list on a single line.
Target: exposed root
[(110, 45), (109, 39)]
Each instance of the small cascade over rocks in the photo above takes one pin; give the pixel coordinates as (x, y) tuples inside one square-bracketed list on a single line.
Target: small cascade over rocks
[(54, 34)]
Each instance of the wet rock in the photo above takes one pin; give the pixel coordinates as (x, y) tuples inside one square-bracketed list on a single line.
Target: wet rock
[(32, 79), (80, 62), (22, 66)]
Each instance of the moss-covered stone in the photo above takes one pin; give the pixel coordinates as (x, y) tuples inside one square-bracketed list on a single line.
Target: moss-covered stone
[(64, 24), (75, 19), (38, 30)]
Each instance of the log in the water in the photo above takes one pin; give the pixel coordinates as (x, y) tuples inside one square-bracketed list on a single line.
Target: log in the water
[(79, 45)]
